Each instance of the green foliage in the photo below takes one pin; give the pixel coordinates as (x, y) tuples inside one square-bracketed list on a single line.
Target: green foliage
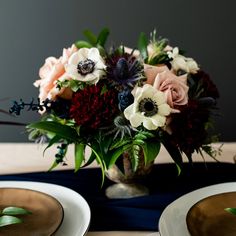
[(134, 146), (142, 45), (75, 85), (151, 150), (231, 210), (159, 55), (212, 152), (79, 155), (102, 37), (9, 220), (63, 131), (15, 211), (83, 44), (8, 215), (93, 40), (174, 151)]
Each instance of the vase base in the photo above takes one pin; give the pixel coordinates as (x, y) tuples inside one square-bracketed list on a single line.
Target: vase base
[(122, 190)]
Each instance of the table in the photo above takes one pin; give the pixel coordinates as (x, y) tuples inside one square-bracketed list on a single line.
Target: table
[(19, 158)]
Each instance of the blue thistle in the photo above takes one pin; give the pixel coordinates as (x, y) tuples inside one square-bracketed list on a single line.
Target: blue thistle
[(124, 70), (125, 99)]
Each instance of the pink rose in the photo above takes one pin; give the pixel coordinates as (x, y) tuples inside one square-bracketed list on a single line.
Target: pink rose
[(152, 71), (174, 87), (52, 71)]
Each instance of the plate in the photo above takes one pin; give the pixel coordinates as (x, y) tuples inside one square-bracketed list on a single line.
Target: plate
[(208, 216), (173, 219), (41, 205), (76, 210)]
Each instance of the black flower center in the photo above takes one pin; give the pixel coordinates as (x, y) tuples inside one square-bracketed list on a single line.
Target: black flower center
[(148, 107), (85, 67)]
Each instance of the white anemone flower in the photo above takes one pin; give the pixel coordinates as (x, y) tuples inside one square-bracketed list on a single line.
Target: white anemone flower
[(149, 108), (181, 62), (86, 65)]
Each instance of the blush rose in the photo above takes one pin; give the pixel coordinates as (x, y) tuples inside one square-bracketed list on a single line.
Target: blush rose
[(52, 71), (174, 87)]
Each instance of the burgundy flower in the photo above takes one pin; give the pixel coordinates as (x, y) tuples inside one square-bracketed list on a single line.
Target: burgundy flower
[(188, 127), (91, 108), (209, 88)]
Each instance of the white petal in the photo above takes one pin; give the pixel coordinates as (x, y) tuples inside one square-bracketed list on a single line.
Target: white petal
[(89, 77), (74, 58), (71, 71), (94, 54), (98, 73), (137, 92), (158, 120), (83, 52), (148, 124), (159, 97), (129, 111), (175, 51), (164, 109), (100, 65), (136, 119), (192, 66), (148, 91), (179, 63)]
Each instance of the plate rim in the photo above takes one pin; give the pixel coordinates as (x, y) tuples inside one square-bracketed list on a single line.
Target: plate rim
[(49, 189), (190, 199)]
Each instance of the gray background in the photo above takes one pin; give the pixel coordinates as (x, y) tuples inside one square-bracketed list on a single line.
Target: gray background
[(31, 30)]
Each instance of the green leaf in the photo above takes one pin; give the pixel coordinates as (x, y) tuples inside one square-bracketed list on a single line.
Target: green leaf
[(120, 143), (83, 44), (151, 150), (104, 89), (134, 156), (100, 162), (102, 37), (174, 152), (9, 220), (231, 210), (79, 155), (54, 165), (60, 130), (74, 85), (90, 160), (117, 154), (91, 37), (54, 140), (104, 144), (139, 142), (101, 50), (142, 45), (143, 135), (15, 211)]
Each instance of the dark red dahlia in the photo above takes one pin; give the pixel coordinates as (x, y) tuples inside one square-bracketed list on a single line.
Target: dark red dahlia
[(188, 127), (209, 89), (92, 108)]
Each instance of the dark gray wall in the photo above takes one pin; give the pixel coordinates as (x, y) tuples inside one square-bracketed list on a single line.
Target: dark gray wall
[(31, 30)]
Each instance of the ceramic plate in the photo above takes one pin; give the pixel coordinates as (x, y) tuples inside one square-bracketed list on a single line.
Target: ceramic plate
[(46, 217), (76, 210), (173, 219), (208, 216)]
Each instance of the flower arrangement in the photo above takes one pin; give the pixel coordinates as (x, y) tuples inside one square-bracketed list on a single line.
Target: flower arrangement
[(122, 100)]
